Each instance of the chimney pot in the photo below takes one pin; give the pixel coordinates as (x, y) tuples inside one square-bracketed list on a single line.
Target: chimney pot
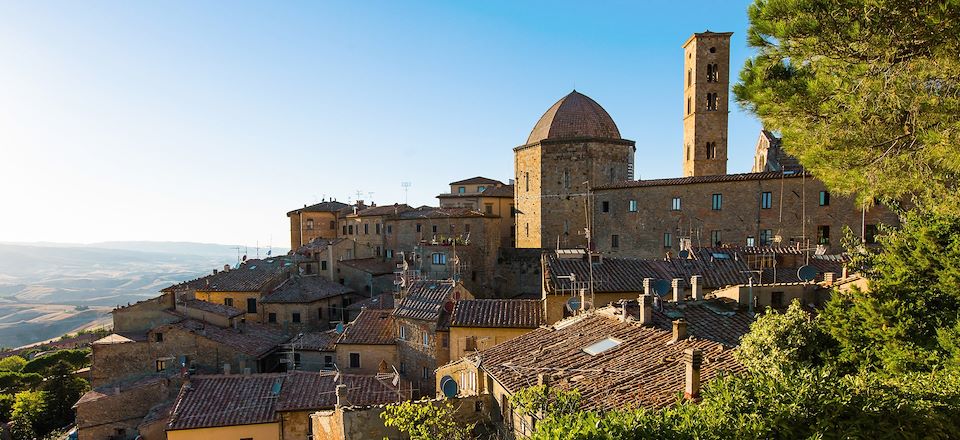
[(696, 284), (677, 290), (693, 358), (341, 395), (829, 277), (646, 309), (843, 274), (214, 271), (679, 330)]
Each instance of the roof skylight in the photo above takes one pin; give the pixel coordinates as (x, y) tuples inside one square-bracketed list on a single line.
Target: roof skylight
[(601, 346)]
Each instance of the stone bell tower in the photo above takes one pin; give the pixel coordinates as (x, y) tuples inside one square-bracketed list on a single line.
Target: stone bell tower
[(706, 90)]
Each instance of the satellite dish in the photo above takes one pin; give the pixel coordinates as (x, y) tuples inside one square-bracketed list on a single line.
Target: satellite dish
[(340, 328), (807, 273), (573, 304), (684, 254), (449, 386), (661, 287)]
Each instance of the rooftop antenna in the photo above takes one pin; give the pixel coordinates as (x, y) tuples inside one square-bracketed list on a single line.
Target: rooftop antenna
[(406, 189), (370, 194), (359, 195)]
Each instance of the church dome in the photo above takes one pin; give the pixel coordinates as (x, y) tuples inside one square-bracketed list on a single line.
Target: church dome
[(574, 116)]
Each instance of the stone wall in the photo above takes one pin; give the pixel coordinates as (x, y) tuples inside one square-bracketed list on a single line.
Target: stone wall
[(518, 273), (295, 424), (144, 315), (740, 219), (118, 412), (701, 125), (371, 357), (482, 338), (528, 168), (308, 226)]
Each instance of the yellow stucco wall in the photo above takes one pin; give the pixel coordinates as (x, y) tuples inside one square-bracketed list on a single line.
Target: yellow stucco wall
[(239, 301), (485, 338), (370, 357), (263, 431)]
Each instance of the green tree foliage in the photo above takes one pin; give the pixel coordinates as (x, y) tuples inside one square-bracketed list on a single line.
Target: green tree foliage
[(61, 390), (6, 407), (30, 406), (781, 343), (12, 363), (12, 382), (542, 399), (426, 420), (866, 93), (22, 429), (75, 358)]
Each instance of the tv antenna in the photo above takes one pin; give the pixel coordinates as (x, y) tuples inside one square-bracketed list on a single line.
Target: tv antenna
[(406, 190)]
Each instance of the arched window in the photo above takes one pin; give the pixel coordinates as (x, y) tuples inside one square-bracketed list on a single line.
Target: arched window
[(709, 72), (711, 102), (689, 77), (711, 150)]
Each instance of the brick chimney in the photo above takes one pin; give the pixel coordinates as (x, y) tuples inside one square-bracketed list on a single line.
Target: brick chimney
[(677, 290), (692, 357), (647, 286), (829, 277), (646, 309), (341, 395), (679, 330), (696, 285)]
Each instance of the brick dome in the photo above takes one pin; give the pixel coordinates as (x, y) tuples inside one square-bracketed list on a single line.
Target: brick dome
[(574, 116)]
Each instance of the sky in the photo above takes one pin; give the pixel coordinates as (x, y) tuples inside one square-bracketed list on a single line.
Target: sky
[(207, 121)]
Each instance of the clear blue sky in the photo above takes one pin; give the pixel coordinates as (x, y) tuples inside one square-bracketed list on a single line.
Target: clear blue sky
[(208, 121)]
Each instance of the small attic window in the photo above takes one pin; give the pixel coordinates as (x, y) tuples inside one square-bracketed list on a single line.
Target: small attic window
[(601, 346), (713, 50), (720, 256)]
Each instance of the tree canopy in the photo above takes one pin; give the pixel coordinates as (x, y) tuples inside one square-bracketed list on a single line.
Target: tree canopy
[(865, 93)]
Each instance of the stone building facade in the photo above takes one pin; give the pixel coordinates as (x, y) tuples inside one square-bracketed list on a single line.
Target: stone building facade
[(653, 218), (575, 145), (315, 221), (706, 88)]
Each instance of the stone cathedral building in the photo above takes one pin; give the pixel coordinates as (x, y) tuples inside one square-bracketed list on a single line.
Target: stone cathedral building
[(575, 167)]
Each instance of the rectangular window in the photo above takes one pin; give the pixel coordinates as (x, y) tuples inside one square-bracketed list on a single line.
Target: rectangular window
[(426, 373), (632, 206), (526, 181), (462, 190), (350, 230), (605, 206), (667, 239), (466, 227), (354, 360), (323, 265), (766, 200), (870, 234), (823, 234), (366, 229), (766, 237), (824, 198), (439, 258), (434, 228), (402, 332), (320, 313), (715, 238), (751, 242), (228, 302), (389, 229), (675, 204), (426, 339), (378, 251), (161, 364), (419, 227), (309, 223), (389, 254), (333, 225), (272, 318), (344, 229), (158, 337), (776, 299), (251, 305), (526, 228), (378, 228), (614, 241), (444, 340), (717, 202), (327, 361), (295, 317)]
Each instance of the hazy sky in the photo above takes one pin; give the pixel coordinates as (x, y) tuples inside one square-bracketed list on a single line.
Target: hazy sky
[(207, 121)]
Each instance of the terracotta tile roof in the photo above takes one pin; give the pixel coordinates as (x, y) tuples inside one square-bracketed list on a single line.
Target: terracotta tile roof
[(251, 276), (477, 181), (574, 116), (442, 213), (424, 300), (318, 245), (498, 313), (498, 191), (318, 341), (383, 301), (394, 209), (230, 400), (159, 412), (719, 267), (311, 391), (226, 400), (300, 289), (216, 309), (331, 206), (254, 339), (644, 370), (372, 327), (373, 266), (119, 387), (767, 175)]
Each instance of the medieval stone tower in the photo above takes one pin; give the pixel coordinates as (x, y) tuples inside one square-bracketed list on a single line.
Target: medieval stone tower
[(575, 146), (706, 85)]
